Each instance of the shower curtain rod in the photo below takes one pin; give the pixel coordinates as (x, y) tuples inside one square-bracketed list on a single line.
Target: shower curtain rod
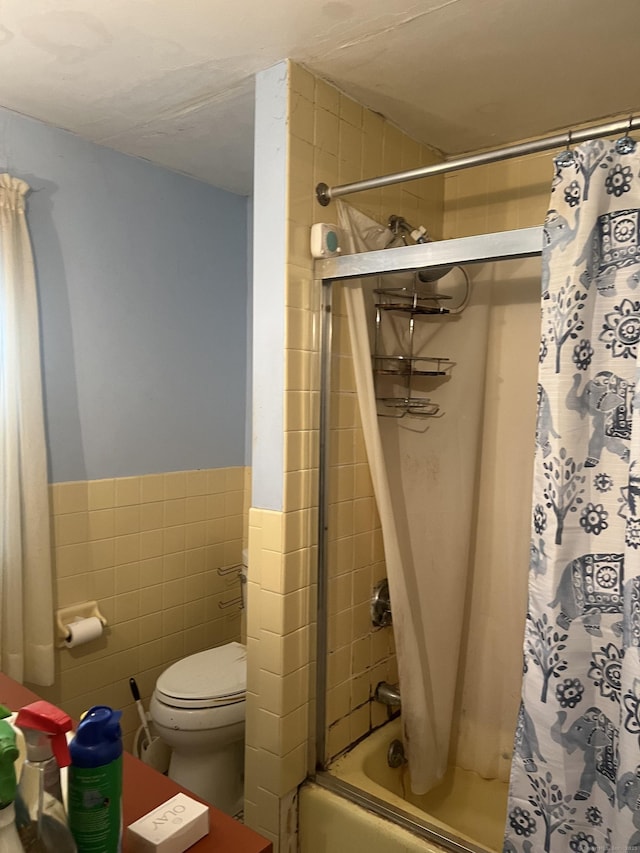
[(324, 193)]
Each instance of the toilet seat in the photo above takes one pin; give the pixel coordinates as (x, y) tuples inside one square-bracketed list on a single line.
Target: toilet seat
[(211, 679)]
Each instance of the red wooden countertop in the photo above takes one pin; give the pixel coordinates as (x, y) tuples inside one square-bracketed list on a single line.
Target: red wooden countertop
[(145, 788)]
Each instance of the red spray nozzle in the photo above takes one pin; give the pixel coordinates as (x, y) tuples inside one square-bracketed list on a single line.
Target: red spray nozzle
[(45, 719)]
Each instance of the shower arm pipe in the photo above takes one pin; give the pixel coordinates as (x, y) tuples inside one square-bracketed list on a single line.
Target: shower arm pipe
[(325, 194)]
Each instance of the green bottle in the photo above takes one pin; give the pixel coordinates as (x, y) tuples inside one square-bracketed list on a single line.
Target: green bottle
[(9, 838)]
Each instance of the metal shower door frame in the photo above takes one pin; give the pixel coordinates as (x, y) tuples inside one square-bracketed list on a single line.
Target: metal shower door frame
[(484, 248)]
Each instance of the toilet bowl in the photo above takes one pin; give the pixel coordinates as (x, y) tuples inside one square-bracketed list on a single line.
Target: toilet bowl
[(198, 709)]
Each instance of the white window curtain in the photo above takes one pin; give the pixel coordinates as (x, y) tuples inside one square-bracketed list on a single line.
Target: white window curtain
[(26, 595)]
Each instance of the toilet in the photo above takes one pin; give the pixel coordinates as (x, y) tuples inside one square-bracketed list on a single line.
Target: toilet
[(198, 709)]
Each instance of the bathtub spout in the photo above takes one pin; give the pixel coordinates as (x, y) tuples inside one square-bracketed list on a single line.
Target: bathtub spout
[(387, 694)]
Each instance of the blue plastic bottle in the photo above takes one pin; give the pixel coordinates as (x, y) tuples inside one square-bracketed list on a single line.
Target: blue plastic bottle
[(95, 782)]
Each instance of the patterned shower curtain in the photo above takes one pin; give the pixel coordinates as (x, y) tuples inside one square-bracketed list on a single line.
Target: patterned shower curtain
[(575, 778)]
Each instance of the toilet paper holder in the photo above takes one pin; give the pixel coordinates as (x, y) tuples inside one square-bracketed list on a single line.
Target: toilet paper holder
[(82, 610)]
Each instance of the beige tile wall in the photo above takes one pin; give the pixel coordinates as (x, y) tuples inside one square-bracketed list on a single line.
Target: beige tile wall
[(360, 656), (503, 195), (499, 196), (148, 550), (332, 139)]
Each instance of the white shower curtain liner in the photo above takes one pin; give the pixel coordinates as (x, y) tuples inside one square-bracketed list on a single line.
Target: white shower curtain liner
[(26, 596), (419, 728), (421, 490)]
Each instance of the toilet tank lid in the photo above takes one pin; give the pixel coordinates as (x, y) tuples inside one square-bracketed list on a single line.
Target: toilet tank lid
[(217, 673)]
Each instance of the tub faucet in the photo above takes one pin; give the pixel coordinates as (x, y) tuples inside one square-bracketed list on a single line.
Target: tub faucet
[(387, 694), (395, 754)]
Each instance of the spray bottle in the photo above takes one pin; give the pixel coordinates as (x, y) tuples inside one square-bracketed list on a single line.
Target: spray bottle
[(95, 782), (40, 814), (9, 838)]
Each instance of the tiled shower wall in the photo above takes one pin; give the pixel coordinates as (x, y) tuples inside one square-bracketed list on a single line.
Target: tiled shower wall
[(330, 138), (351, 143), (148, 550), (498, 197), (501, 196)]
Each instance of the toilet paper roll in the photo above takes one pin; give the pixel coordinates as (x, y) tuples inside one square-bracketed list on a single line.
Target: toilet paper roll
[(83, 631)]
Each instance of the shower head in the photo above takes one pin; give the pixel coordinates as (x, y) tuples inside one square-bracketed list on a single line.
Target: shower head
[(429, 274)]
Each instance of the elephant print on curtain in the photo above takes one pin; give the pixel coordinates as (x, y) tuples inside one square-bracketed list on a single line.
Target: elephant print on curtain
[(575, 774)]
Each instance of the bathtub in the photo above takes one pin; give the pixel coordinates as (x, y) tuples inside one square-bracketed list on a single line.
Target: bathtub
[(464, 813)]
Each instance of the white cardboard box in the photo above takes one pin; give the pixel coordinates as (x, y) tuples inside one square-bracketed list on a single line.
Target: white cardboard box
[(170, 828)]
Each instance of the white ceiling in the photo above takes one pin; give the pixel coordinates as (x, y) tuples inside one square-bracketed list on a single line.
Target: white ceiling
[(172, 80)]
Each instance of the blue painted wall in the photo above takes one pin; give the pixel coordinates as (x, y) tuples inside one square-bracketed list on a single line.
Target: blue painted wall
[(142, 279)]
